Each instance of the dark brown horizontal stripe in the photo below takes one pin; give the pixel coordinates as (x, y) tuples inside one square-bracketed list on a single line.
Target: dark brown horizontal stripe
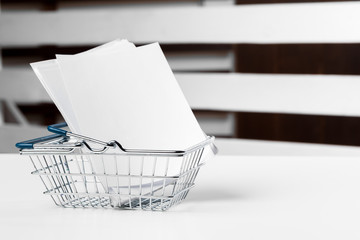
[(43, 114), (44, 51), (298, 58), (149, 1), (297, 128), (95, 1), (24, 55), (52, 5), (286, 1), (26, 51), (250, 58)]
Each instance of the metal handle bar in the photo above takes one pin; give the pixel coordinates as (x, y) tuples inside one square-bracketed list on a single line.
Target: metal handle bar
[(29, 144), (57, 128)]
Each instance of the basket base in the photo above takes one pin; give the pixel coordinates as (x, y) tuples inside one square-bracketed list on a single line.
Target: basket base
[(112, 201)]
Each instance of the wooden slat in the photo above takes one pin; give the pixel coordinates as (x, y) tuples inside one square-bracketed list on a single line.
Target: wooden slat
[(268, 23), (304, 94)]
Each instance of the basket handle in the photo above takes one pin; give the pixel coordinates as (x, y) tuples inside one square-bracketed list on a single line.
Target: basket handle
[(29, 144), (57, 128), (59, 132)]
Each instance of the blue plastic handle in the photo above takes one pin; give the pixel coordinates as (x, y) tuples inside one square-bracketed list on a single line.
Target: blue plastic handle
[(56, 128), (29, 144)]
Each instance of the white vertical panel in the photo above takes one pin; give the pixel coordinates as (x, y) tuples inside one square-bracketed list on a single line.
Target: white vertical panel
[(218, 125), (1, 61), (16, 113), (218, 2), (2, 117), (201, 62)]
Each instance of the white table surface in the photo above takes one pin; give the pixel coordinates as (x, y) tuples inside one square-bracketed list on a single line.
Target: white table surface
[(238, 197)]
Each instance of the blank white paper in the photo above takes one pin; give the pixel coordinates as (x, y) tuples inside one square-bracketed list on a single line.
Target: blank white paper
[(132, 97), (48, 72), (49, 75)]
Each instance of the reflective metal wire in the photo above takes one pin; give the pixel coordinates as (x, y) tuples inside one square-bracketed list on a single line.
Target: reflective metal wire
[(73, 178)]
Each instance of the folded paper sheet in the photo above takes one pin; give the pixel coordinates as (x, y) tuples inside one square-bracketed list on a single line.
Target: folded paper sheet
[(130, 96), (49, 75)]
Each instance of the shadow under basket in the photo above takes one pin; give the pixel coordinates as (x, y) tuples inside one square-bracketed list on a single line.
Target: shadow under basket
[(75, 174)]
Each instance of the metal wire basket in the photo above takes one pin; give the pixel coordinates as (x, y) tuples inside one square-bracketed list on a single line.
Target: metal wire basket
[(76, 174)]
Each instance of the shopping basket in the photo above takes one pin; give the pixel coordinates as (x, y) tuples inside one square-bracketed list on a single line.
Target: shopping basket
[(79, 171)]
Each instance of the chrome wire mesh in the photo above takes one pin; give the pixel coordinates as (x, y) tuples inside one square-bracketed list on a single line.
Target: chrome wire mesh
[(126, 181)]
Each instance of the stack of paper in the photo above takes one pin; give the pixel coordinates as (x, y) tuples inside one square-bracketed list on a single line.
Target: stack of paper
[(121, 92)]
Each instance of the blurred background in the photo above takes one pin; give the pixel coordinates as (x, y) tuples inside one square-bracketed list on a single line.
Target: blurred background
[(25, 107)]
